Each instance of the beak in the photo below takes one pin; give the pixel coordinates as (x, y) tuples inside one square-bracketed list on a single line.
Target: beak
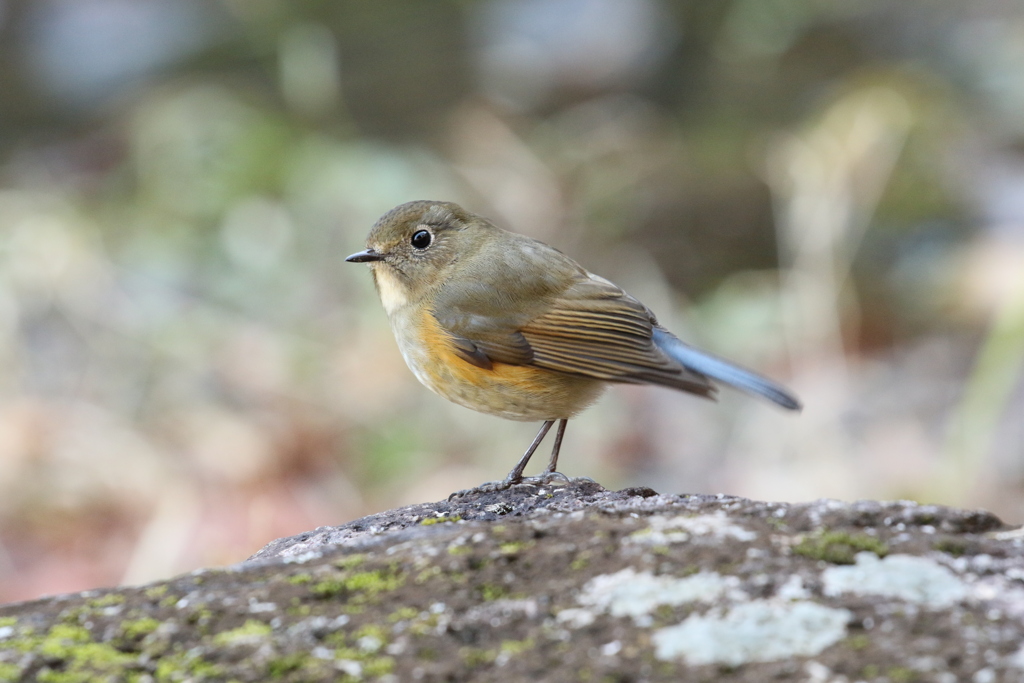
[(365, 256)]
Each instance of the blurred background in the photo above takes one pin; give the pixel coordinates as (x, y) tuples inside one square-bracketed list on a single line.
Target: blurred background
[(830, 192)]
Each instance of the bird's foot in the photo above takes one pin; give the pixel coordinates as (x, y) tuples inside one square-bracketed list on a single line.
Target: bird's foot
[(487, 487), (548, 479), (578, 480), (545, 479)]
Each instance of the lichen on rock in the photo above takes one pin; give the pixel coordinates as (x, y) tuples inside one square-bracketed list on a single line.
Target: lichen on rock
[(566, 582)]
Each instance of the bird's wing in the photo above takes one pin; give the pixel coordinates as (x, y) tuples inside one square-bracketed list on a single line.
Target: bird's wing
[(540, 308), (594, 328)]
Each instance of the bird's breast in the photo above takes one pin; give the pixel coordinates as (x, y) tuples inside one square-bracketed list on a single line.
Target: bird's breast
[(515, 392)]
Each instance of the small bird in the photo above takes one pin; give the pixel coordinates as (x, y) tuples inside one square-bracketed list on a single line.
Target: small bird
[(506, 325)]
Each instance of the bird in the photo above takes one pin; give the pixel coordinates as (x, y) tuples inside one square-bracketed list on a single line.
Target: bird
[(506, 325)]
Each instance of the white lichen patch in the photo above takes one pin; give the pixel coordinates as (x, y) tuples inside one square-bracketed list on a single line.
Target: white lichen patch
[(1016, 660), (1011, 535), (349, 667), (256, 607), (497, 613), (793, 589), (369, 643), (576, 617), (1002, 595), (906, 577), (629, 593), (302, 558), (757, 631), (666, 530)]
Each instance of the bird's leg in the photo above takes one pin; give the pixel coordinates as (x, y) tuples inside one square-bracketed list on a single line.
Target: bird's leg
[(516, 475), (552, 470), (553, 463)]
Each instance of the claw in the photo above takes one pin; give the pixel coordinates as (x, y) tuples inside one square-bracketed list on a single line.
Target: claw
[(546, 479), (488, 487)]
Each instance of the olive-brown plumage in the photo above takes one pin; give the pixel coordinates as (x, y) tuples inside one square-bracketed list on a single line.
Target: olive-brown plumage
[(509, 326)]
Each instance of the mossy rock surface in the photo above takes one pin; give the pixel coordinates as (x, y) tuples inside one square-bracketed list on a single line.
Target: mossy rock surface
[(566, 583)]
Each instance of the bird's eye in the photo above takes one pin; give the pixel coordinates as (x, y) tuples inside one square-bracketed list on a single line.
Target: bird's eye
[(421, 239)]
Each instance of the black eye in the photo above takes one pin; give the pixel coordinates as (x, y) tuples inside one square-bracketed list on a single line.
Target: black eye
[(421, 239)]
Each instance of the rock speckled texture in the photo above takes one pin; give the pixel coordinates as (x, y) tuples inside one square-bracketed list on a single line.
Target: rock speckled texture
[(567, 583)]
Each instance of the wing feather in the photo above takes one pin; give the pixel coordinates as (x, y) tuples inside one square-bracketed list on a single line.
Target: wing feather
[(567, 321)]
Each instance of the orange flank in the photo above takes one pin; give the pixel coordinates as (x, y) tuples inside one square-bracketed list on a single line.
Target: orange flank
[(517, 392)]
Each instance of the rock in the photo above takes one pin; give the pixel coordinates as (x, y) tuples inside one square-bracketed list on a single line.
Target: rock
[(567, 583)]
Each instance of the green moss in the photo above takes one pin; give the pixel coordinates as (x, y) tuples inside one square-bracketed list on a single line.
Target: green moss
[(839, 547), (474, 657), (427, 574), (515, 647), (61, 636), (364, 584), (373, 664), (351, 561), (513, 547), (300, 579), (858, 642), (441, 520), (375, 667), (8, 621), (663, 614), (201, 617), (901, 674), (372, 631), (249, 630), (950, 546), (75, 615), (419, 629), (335, 639), (298, 609), (579, 563), (9, 673), (427, 653), (403, 614), (156, 592), (169, 601), (349, 653), (459, 549), (108, 600), (139, 628), (74, 657), (667, 670), (186, 666), (490, 592), (282, 666), (374, 582)]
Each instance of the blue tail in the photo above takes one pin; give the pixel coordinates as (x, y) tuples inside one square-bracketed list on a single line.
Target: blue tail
[(723, 371)]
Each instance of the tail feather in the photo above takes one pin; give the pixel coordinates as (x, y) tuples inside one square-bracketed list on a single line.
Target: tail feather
[(716, 368)]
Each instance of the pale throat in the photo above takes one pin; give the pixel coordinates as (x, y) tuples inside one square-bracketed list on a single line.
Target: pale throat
[(394, 294)]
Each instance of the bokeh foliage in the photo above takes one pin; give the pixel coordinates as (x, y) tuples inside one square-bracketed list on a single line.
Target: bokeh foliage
[(828, 191)]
